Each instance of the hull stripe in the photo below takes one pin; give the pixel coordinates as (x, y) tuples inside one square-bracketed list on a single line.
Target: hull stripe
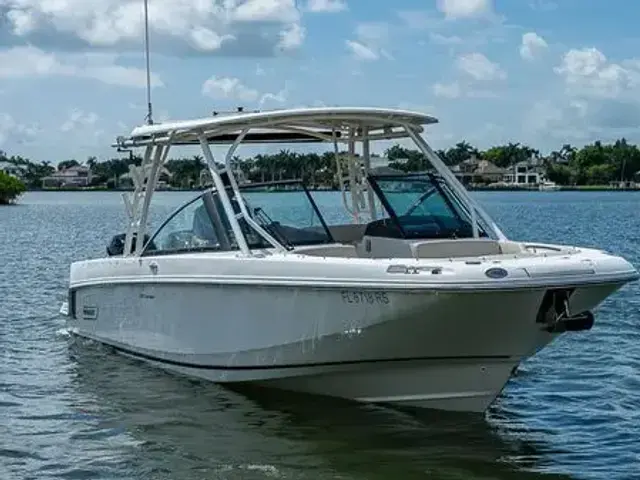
[(198, 366)]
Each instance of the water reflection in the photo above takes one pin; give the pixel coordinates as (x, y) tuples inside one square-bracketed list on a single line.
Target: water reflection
[(163, 426)]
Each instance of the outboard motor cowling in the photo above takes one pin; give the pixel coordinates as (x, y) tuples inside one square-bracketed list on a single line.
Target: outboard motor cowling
[(116, 245)]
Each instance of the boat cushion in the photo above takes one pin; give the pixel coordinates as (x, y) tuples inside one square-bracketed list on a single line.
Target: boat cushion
[(461, 247)]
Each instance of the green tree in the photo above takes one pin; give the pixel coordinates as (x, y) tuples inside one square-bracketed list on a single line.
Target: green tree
[(67, 164), (505, 156), (559, 173), (10, 188), (412, 160), (459, 153)]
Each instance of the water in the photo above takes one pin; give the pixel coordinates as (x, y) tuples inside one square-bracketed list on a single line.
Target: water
[(70, 411)]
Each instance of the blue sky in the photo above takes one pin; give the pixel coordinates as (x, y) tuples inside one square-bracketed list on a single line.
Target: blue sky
[(542, 72)]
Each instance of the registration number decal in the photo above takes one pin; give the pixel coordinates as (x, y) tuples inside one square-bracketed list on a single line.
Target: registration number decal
[(370, 297)]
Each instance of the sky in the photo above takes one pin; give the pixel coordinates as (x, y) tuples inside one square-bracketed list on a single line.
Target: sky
[(540, 72)]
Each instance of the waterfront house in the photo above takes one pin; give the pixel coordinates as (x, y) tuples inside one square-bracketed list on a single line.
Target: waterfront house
[(475, 171), (75, 176), (527, 172)]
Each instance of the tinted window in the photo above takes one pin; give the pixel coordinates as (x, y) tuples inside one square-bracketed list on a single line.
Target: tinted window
[(424, 207)]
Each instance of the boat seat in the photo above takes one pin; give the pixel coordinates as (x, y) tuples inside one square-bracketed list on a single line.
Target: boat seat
[(349, 233), (202, 226)]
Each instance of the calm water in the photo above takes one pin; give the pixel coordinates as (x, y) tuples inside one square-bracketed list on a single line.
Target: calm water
[(73, 411)]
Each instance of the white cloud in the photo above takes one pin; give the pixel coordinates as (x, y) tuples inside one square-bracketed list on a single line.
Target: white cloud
[(446, 31), (360, 51), (588, 72), (247, 26), (228, 88), (32, 62), (206, 40), (6, 124), (255, 10), (291, 38), (532, 45), (17, 132), (451, 90), (79, 119), (561, 122), (280, 98), (370, 41), (455, 9), (326, 6), (601, 100), (479, 67), (445, 40), (83, 128), (476, 72)]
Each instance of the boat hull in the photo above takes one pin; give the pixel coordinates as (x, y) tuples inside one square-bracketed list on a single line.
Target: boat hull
[(410, 347)]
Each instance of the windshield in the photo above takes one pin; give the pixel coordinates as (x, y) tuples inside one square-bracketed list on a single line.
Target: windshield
[(287, 212), (421, 206)]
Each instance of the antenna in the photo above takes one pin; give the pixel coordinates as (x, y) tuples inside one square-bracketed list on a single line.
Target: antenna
[(146, 49)]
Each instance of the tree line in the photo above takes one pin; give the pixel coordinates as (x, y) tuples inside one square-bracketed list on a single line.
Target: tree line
[(593, 164)]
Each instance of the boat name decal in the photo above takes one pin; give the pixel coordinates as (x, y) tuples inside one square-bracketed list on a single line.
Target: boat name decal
[(368, 297), (89, 313)]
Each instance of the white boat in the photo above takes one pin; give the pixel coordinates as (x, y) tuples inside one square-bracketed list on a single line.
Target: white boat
[(548, 186), (415, 297)]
